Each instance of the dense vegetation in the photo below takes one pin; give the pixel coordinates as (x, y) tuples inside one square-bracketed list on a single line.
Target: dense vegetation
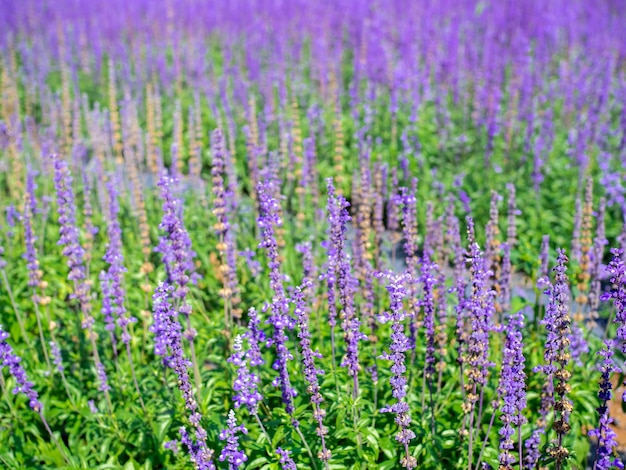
[(330, 234)]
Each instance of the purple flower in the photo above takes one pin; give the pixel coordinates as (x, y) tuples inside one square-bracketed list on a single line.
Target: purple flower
[(397, 355), (9, 359), (481, 310), (429, 283), (279, 318), (617, 271), (285, 460), (512, 388), (407, 201), (69, 235), (92, 407), (32, 262), (175, 244), (576, 254), (557, 352), (459, 282), (113, 279), (338, 219), (607, 446), (246, 385), (311, 372), (57, 359), (231, 452), (168, 342), (226, 244)]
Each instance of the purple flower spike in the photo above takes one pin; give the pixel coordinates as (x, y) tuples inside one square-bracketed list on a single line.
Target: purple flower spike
[(231, 452), (311, 372), (246, 385), (397, 355), (13, 362), (168, 342), (512, 388), (285, 460), (279, 318), (607, 445), (175, 244)]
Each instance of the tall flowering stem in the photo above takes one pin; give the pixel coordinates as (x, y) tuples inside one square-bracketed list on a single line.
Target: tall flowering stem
[(617, 270), (113, 278), (279, 307), (335, 240), (231, 452), (397, 355), (586, 245), (177, 255), (429, 284), (492, 251), (246, 385), (407, 201), (24, 386), (74, 253), (481, 310), (169, 344), (606, 450), (458, 287), (311, 372), (557, 355), (222, 227), (512, 391), (35, 274), (346, 285)]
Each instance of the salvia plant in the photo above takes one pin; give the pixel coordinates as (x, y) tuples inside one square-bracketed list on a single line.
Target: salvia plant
[(320, 235)]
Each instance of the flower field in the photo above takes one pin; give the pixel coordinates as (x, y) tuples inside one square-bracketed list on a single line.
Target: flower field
[(332, 234)]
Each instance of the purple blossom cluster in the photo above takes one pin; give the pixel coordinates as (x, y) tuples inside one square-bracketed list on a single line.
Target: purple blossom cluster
[(246, 385), (175, 244), (231, 452), (168, 343), (279, 318), (397, 355), (13, 362)]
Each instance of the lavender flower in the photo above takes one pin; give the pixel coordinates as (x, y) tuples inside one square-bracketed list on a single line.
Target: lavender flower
[(73, 251), (338, 220), (175, 244), (429, 282), (617, 271), (397, 354), (280, 318), (512, 389), (24, 386), (231, 452), (407, 200), (576, 246), (168, 342), (286, 461), (226, 243), (114, 276), (557, 322), (605, 452), (69, 235), (57, 359), (311, 372), (32, 262), (481, 310), (246, 384)]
